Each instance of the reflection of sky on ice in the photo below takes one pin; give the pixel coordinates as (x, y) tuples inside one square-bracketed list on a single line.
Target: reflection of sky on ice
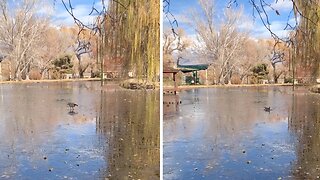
[(41, 139), (225, 133)]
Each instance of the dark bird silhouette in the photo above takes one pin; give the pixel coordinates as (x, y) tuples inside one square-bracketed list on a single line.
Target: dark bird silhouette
[(267, 109), (71, 106), (277, 12)]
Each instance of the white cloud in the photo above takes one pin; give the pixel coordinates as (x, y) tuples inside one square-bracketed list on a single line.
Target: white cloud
[(181, 18), (247, 24), (282, 5), (80, 11), (46, 9), (277, 27)]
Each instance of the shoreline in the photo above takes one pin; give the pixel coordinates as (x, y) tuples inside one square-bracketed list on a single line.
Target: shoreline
[(157, 87), (49, 81), (186, 87), (165, 88)]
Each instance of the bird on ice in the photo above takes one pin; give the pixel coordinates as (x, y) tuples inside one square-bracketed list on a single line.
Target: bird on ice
[(267, 109), (71, 106)]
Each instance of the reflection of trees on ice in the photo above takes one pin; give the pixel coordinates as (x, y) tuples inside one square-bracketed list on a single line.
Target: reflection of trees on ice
[(304, 123), (129, 123)]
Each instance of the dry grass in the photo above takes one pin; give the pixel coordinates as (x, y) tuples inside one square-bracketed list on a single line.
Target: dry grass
[(183, 87), (48, 81)]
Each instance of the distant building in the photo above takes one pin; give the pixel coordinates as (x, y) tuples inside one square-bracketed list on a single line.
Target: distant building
[(194, 69)]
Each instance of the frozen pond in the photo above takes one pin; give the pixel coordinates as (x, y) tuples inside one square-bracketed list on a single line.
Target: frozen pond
[(225, 133), (113, 133)]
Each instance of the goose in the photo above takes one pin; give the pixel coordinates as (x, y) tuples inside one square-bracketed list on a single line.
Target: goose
[(267, 109), (71, 106)]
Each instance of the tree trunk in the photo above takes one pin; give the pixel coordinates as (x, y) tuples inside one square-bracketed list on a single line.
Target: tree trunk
[(275, 78), (42, 75), (79, 64), (221, 80), (229, 78), (242, 79), (27, 70), (17, 76)]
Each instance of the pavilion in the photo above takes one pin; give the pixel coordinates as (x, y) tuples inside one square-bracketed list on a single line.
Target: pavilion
[(194, 68)]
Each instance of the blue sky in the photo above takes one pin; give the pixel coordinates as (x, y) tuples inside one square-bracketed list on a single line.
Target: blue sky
[(82, 9), (181, 10)]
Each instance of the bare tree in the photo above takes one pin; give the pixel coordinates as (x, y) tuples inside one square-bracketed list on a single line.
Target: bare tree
[(55, 43), (174, 43), (82, 48), (253, 52), (303, 39), (219, 43), (81, 45), (302, 23), (20, 31), (276, 58)]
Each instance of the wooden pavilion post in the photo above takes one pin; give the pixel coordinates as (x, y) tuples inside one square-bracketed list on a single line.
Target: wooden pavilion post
[(174, 72)]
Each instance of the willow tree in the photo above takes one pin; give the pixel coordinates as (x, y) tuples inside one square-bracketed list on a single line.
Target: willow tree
[(219, 44), (307, 39), (133, 32), (128, 30)]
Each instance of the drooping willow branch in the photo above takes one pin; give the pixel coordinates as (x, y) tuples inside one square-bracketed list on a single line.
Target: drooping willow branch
[(97, 29)]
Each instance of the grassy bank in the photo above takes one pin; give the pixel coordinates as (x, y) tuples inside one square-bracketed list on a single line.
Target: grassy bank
[(49, 81), (184, 87), (139, 84), (112, 83)]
